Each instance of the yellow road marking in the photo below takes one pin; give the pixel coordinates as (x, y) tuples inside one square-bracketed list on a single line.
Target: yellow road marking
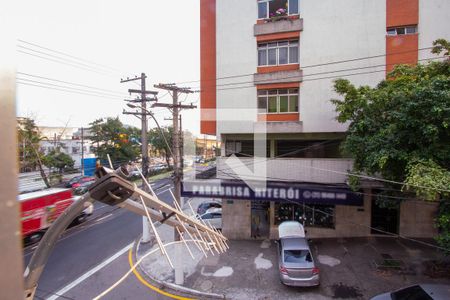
[(144, 282)]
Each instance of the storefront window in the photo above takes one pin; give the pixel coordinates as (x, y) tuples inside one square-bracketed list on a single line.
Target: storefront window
[(313, 215)]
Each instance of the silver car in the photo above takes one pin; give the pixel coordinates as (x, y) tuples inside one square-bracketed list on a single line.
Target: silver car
[(420, 291), (295, 261)]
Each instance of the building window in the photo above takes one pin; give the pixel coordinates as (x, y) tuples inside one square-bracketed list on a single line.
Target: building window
[(75, 150), (272, 8), (308, 148), (313, 215), (243, 148), (402, 30), (278, 101), (278, 53)]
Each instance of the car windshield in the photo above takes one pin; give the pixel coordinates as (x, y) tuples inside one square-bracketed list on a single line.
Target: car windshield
[(414, 292), (297, 256)]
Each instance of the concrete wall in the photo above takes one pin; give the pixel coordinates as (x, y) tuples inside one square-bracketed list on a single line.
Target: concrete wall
[(335, 31), (346, 218), (290, 169), (236, 219), (417, 219), (434, 23), (236, 55)]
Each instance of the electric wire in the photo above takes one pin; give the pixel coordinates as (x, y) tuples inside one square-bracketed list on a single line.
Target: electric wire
[(309, 79), (68, 87), (60, 58), (264, 160), (320, 64), (60, 62), (64, 90), (367, 226), (71, 83), (68, 55)]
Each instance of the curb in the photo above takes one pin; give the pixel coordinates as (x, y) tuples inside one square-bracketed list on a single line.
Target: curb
[(178, 290)]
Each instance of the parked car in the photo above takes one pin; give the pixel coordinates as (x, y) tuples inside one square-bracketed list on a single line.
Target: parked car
[(295, 260), (82, 188), (419, 292), (73, 180), (203, 207), (82, 181), (213, 216)]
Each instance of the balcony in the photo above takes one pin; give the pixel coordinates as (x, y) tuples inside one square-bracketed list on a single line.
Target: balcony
[(320, 170), (281, 26), (278, 77)]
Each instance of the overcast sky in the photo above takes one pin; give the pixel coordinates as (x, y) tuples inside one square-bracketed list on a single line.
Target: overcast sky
[(160, 38)]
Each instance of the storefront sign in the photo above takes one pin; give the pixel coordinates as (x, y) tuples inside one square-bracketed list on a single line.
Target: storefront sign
[(273, 191)]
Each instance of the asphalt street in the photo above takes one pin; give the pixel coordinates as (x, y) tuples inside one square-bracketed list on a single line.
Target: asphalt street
[(98, 242)]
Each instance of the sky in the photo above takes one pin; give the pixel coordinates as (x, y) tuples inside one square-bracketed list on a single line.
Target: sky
[(114, 39)]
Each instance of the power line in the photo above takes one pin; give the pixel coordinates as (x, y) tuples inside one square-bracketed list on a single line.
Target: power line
[(68, 55), (63, 90), (367, 226), (61, 62), (68, 87), (71, 83), (319, 65), (300, 77), (253, 162), (63, 59)]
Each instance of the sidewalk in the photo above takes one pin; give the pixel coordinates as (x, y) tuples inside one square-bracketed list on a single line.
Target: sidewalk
[(350, 268)]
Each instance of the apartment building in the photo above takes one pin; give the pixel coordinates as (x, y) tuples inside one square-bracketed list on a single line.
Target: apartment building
[(267, 71)]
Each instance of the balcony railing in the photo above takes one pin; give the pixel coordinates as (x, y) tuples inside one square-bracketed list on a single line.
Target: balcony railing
[(320, 170), (280, 26)]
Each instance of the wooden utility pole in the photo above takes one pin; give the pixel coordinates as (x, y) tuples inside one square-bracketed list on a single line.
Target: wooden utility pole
[(175, 107), (144, 141), (143, 116)]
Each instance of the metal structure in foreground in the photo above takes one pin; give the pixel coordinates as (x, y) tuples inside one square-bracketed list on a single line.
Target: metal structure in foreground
[(113, 188)]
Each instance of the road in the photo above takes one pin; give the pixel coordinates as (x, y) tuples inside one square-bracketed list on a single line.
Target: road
[(85, 246)]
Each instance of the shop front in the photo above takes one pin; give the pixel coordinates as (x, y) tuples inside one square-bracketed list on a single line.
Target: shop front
[(256, 212)]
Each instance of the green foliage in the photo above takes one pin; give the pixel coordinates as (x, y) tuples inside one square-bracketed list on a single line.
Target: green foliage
[(58, 160), (443, 225), (159, 146), (111, 137), (403, 120), (30, 156), (28, 142), (441, 45), (400, 130), (428, 174)]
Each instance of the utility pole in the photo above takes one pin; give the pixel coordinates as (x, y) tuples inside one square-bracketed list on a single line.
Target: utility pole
[(181, 143), (82, 151), (144, 142), (143, 116), (175, 107)]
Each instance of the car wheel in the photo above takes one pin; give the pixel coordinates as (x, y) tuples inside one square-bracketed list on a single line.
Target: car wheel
[(35, 237), (81, 218)]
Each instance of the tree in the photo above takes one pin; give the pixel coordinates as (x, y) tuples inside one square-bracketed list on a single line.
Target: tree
[(159, 146), (30, 156), (59, 160), (111, 137), (400, 128)]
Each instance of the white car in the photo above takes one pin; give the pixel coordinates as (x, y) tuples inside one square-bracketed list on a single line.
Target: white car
[(214, 217)]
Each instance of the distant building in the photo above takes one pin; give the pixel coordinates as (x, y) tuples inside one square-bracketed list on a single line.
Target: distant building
[(68, 140), (270, 65)]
